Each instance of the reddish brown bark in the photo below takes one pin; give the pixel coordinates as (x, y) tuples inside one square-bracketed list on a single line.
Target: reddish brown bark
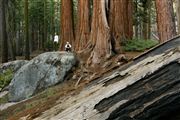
[(130, 19), (100, 33), (120, 21), (165, 20), (67, 29), (83, 24)]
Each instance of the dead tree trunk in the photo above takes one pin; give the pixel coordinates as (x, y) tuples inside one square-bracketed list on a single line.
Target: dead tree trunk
[(67, 29), (148, 89), (165, 19)]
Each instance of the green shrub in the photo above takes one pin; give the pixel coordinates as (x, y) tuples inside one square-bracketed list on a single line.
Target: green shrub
[(50, 45), (5, 78), (138, 45)]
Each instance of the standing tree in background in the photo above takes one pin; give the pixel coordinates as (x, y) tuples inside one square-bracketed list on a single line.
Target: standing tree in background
[(83, 24), (100, 37), (67, 29), (120, 21), (146, 4), (44, 37), (27, 52), (165, 19), (3, 32), (178, 14)]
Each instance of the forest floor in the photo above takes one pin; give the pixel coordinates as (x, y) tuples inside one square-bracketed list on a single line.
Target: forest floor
[(73, 85)]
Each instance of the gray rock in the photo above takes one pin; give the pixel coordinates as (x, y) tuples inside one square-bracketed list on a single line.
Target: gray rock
[(41, 72), (14, 65)]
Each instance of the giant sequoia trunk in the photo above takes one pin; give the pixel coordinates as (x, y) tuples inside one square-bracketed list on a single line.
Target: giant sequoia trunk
[(67, 29), (165, 19), (120, 21), (100, 33), (83, 24), (146, 89), (3, 32)]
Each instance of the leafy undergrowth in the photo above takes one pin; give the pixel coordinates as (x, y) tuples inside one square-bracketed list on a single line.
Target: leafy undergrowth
[(5, 78), (139, 45)]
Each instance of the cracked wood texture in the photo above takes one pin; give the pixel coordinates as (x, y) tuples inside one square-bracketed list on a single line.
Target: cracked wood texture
[(148, 89)]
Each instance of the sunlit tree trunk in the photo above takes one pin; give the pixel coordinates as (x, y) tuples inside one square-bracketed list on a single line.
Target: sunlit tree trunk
[(120, 21), (100, 33), (83, 24), (165, 19), (67, 29), (3, 32), (27, 52)]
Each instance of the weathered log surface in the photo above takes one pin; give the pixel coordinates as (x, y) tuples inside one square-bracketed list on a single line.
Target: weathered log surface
[(148, 89)]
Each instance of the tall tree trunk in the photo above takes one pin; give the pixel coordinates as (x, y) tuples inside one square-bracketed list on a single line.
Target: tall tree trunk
[(146, 19), (149, 20), (44, 39), (100, 33), (145, 25), (27, 52), (178, 14), (52, 21), (120, 21), (136, 26), (165, 19), (67, 29), (3, 32), (83, 24), (130, 19)]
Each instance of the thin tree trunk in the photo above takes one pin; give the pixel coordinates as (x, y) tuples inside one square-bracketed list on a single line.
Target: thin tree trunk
[(149, 20), (27, 52), (52, 21), (67, 29), (130, 18), (165, 20), (3, 32), (136, 26), (178, 14), (83, 24), (44, 40)]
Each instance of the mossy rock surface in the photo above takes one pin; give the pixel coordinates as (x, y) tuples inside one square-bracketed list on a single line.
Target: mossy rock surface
[(6, 77)]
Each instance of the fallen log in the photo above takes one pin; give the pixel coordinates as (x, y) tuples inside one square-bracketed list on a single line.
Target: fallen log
[(147, 89)]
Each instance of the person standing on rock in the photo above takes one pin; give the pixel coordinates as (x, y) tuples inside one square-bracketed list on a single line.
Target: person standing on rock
[(68, 47)]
